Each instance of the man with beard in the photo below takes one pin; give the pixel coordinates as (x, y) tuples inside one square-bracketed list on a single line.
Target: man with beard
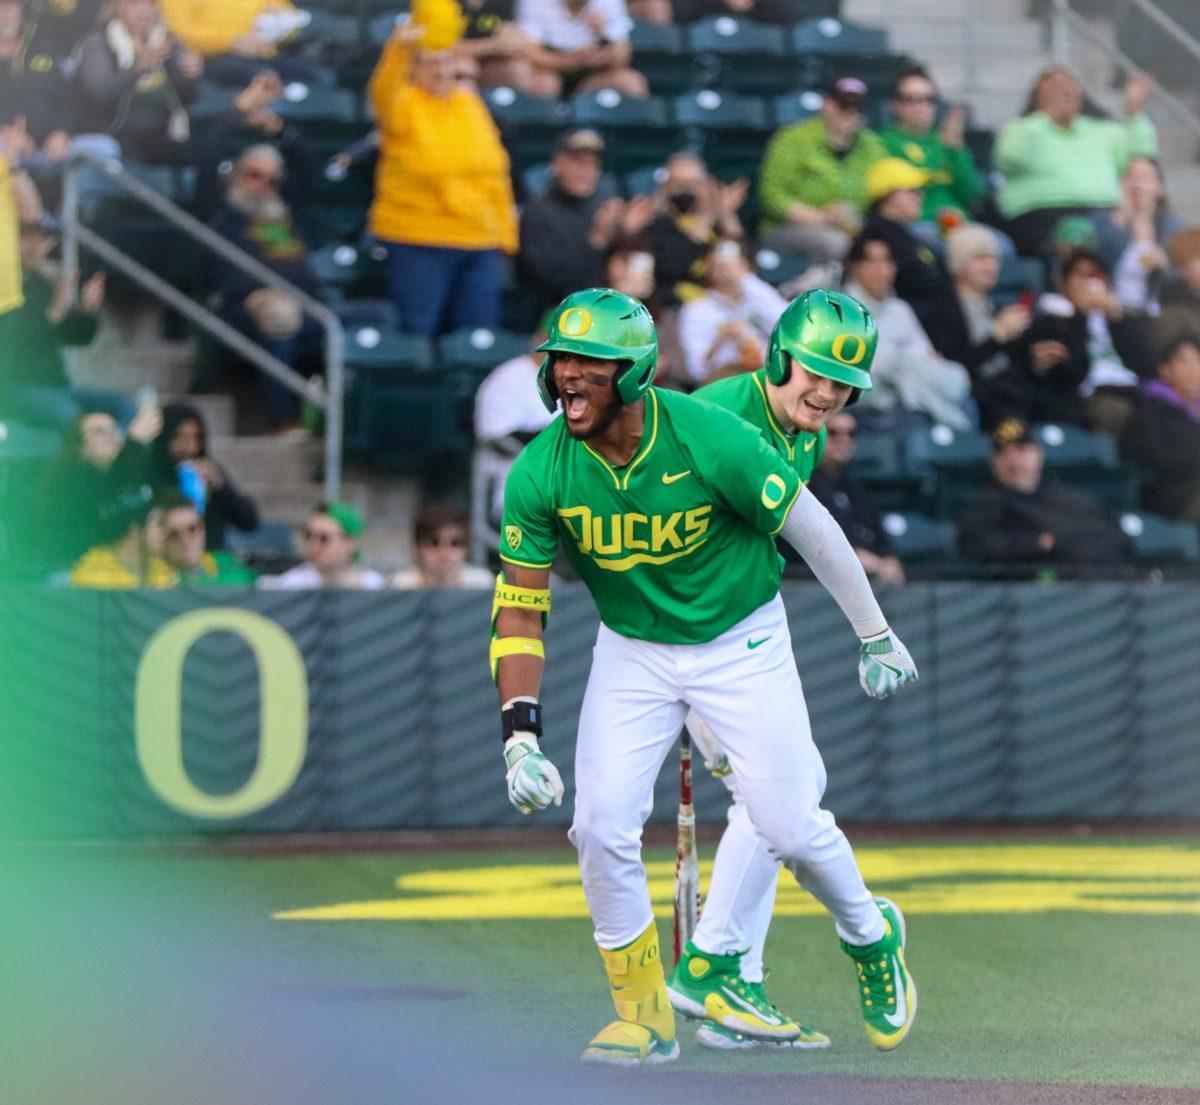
[(667, 507), (257, 219)]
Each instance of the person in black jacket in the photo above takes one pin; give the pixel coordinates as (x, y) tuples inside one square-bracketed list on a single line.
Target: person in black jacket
[(134, 82), (1163, 435), (566, 230), (1020, 522), (184, 439), (33, 81)]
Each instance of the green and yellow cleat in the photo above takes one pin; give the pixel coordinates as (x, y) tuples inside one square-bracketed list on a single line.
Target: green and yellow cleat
[(719, 1038), (626, 1044), (886, 990), (710, 987)]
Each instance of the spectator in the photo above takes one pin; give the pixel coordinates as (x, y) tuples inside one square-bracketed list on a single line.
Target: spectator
[(62, 24), (813, 187), (1058, 161), (183, 548), (1132, 238), (440, 542), (57, 313), (494, 41), (693, 210), (974, 333), (331, 556), (96, 464), (1163, 435), (908, 373), (127, 556), (630, 268), (19, 203), (1075, 352), (953, 185), (239, 38), (179, 456), (580, 47), (894, 190), (1021, 522), (257, 219), (34, 85), (1180, 300), (443, 196), (850, 505), (726, 330), (134, 82), (786, 13), (566, 230)]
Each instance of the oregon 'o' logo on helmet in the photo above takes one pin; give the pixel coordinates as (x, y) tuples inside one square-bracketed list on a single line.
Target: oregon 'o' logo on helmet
[(574, 322), (857, 351), (773, 492), (514, 536)]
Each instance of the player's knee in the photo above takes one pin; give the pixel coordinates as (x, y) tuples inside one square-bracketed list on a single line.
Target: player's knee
[(605, 831), (802, 841)]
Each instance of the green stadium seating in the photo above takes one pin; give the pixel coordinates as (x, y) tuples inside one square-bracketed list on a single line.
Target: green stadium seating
[(839, 38), (476, 352), (324, 110), (795, 107), (350, 270), (731, 129), (661, 54), (530, 126), (778, 268), (636, 131), (918, 539), (644, 181), (1157, 541), (1018, 276), (1068, 447), (750, 57)]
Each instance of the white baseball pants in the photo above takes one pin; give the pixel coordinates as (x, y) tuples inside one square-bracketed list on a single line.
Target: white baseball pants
[(637, 696)]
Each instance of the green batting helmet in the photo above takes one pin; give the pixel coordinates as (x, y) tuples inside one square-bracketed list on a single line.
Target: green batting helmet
[(830, 334), (609, 325)]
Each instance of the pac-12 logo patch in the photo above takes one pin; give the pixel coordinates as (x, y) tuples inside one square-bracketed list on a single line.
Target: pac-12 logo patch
[(514, 537), (574, 322)]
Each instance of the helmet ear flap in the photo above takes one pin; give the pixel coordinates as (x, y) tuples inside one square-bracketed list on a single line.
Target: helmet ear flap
[(547, 388), (778, 363)]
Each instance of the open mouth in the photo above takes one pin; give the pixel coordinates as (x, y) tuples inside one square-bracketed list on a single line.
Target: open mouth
[(815, 410), (574, 404)]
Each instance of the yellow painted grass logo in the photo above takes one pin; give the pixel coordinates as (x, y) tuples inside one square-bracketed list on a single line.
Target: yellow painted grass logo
[(574, 322), (514, 537), (1135, 879)]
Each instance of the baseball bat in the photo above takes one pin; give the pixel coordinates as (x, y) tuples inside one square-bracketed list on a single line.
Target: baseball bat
[(687, 869)]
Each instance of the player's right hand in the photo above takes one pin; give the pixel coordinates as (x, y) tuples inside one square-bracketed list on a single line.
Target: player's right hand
[(533, 781), (884, 665)]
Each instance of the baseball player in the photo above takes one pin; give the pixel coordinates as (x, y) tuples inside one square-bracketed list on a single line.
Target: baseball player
[(789, 408), (667, 507)]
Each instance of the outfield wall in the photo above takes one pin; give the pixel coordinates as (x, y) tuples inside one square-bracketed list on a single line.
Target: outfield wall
[(134, 713)]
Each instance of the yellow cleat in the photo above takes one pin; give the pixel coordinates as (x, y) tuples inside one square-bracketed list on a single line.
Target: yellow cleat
[(623, 1044)]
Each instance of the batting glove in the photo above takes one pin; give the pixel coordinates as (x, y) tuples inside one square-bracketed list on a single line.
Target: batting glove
[(884, 665), (533, 781), (710, 748)]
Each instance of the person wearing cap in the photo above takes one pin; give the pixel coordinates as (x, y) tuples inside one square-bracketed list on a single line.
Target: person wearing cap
[(331, 537), (443, 206), (895, 190), (1021, 524), (565, 230), (954, 185), (1059, 160), (725, 331), (580, 46), (812, 190), (59, 311), (909, 373)]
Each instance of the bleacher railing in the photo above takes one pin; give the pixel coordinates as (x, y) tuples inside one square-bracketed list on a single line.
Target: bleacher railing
[(326, 394), (1064, 19)]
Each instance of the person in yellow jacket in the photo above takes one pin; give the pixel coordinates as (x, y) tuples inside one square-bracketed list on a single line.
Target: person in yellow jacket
[(443, 203), (129, 560)]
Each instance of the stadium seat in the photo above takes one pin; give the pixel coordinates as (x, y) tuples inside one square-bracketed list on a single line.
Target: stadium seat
[(1158, 541), (529, 125), (645, 181), (321, 110), (732, 130), (637, 131), (796, 107), (1018, 276), (661, 54), (1074, 447), (936, 447), (778, 268), (350, 270), (478, 351), (918, 539), (839, 38), (750, 57)]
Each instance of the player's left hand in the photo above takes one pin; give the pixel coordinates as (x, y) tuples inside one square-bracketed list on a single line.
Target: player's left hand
[(533, 781), (884, 665)]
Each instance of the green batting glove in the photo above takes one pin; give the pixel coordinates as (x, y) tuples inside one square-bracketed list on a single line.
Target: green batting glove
[(884, 665), (533, 781)]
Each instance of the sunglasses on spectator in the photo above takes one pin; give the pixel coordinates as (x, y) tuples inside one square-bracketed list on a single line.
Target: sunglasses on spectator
[(916, 98), (260, 174), (320, 536), (831, 432), (176, 532), (458, 541)]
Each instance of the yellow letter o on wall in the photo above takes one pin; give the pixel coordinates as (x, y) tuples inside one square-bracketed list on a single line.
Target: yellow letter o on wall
[(283, 713)]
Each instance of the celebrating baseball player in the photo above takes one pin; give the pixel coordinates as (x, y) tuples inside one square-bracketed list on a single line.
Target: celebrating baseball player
[(667, 506)]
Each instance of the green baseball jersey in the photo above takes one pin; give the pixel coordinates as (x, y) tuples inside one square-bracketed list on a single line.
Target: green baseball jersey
[(746, 396), (677, 545)]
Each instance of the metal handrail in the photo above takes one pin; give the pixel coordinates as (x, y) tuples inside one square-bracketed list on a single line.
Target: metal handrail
[(326, 395)]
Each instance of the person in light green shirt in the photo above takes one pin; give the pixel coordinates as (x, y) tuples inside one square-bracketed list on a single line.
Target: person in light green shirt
[(1058, 161), (954, 183), (813, 190)]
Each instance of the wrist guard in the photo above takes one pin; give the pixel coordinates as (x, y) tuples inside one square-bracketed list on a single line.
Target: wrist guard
[(521, 716)]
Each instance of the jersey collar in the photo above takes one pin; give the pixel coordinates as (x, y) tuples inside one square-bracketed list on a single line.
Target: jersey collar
[(789, 440), (621, 478)]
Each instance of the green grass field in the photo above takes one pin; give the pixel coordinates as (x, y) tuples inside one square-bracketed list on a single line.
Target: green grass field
[(1050, 961)]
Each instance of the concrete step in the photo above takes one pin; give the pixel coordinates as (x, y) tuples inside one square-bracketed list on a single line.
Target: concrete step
[(280, 462), (130, 353), (218, 411)]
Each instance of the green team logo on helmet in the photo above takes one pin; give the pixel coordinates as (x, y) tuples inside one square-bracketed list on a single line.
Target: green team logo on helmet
[(830, 334), (609, 325)]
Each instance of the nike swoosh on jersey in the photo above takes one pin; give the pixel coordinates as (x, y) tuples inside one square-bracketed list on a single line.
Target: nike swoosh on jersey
[(667, 478), (755, 644), (808, 445), (897, 1019)]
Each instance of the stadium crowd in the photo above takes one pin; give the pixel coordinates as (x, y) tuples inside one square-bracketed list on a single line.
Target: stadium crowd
[(1048, 294)]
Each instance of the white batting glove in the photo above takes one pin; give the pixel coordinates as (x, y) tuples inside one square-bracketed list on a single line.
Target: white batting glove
[(533, 781), (884, 665)]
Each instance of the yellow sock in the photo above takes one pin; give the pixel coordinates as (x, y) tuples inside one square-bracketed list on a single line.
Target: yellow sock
[(639, 989)]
